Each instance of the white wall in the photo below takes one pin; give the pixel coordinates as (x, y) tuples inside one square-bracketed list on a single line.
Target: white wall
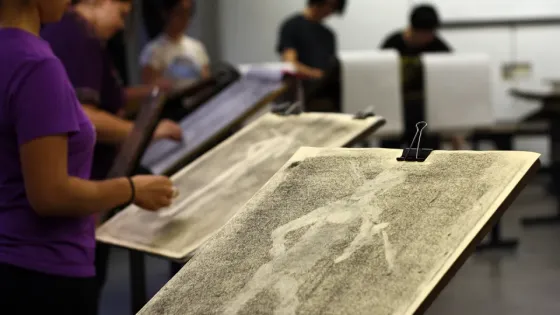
[(496, 9)]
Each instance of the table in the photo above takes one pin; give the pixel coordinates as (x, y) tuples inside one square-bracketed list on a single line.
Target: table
[(550, 104)]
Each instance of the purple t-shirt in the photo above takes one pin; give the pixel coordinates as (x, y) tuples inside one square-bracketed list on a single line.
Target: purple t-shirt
[(37, 100), (92, 74)]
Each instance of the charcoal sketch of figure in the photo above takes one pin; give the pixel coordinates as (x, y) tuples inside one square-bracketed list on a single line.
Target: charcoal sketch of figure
[(327, 226), (260, 152)]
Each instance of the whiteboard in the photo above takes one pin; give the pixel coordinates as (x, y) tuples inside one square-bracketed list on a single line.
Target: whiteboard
[(468, 10)]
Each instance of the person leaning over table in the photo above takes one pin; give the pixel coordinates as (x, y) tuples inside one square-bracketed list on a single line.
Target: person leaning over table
[(78, 39), (174, 55), (47, 202), (305, 41), (420, 37)]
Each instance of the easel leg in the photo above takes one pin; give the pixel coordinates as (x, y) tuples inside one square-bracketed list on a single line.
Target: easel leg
[(555, 173), (502, 142), (497, 242), (137, 281), (174, 267)]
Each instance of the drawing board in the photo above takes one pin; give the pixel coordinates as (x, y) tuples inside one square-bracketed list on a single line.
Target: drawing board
[(131, 151), (349, 231), (214, 187), (238, 101)]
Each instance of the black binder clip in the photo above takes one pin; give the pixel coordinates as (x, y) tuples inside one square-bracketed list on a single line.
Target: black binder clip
[(368, 112), (416, 154)]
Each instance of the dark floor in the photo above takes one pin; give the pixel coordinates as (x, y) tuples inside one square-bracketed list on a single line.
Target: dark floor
[(525, 281)]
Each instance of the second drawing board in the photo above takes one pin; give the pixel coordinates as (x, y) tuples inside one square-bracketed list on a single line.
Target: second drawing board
[(219, 183)]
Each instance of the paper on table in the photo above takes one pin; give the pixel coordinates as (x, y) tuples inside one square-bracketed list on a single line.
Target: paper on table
[(267, 71), (372, 78), (458, 91)]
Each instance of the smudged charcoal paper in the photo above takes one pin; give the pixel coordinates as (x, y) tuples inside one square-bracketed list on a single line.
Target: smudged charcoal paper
[(345, 231), (218, 114), (217, 185)]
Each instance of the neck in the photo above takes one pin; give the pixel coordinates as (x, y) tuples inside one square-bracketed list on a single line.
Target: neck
[(310, 13), (173, 35), (408, 36), (24, 18)]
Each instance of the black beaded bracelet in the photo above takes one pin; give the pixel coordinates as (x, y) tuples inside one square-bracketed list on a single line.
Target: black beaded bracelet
[(132, 190)]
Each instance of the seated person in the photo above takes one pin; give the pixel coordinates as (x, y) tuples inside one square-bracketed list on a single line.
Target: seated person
[(310, 45), (174, 55), (420, 37)]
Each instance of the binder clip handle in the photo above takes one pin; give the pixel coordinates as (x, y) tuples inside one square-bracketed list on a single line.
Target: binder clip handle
[(288, 109), (417, 154), (366, 113)]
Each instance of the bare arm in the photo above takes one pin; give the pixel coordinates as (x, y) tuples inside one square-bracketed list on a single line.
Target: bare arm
[(205, 72), (150, 75), (110, 128), (290, 55), (138, 93), (52, 192)]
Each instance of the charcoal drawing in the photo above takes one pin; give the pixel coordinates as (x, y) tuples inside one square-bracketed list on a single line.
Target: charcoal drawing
[(215, 117), (345, 231), (216, 186)]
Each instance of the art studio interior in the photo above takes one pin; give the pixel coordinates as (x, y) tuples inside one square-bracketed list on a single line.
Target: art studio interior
[(279, 157)]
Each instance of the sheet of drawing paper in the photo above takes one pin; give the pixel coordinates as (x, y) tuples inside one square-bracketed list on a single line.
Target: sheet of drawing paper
[(372, 78), (233, 103), (270, 71), (214, 187), (347, 231), (458, 91)]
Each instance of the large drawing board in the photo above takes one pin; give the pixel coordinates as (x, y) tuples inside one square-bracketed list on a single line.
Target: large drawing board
[(237, 102), (349, 231), (219, 183)]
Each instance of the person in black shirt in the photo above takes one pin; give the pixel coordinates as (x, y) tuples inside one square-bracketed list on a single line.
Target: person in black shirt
[(311, 46), (420, 37), (306, 42)]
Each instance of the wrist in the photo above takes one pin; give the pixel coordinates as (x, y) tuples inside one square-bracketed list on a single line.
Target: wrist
[(132, 191)]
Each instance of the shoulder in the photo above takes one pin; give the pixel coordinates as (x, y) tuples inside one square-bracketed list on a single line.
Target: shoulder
[(154, 44), (70, 31), (394, 37), (328, 29), (292, 21), (44, 73), (23, 54), (441, 45), (192, 42)]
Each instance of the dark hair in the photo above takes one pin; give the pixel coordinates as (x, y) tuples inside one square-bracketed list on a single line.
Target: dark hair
[(340, 4), (154, 12), (78, 1), (168, 5), (424, 17)]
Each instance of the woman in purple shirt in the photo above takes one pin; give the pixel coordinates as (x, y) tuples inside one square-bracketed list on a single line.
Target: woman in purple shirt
[(79, 39), (47, 202)]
